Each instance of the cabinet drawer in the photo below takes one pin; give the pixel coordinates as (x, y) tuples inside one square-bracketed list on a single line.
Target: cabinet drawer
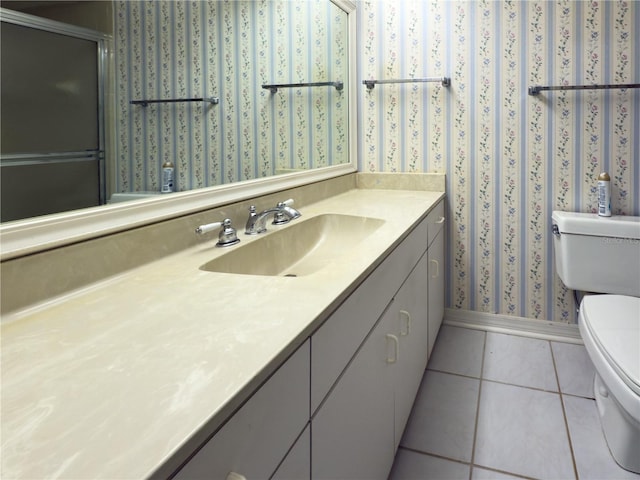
[(256, 439), (436, 221), (338, 339)]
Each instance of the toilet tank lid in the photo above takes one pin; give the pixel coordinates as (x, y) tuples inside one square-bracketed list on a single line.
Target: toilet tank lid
[(619, 226)]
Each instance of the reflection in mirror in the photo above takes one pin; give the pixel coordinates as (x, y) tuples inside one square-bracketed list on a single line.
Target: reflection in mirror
[(228, 50)]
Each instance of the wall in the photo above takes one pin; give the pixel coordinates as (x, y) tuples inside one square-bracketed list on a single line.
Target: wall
[(510, 158), (227, 49)]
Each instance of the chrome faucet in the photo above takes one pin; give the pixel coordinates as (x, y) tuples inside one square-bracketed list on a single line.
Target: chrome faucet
[(282, 213)]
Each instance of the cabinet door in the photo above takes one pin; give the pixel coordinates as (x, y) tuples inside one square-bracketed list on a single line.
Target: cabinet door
[(352, 431), (436, 287), (411, 327), (336, 341), (256, 439)]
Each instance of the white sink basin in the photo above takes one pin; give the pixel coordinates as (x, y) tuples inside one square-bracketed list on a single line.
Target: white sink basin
[(301, 248)]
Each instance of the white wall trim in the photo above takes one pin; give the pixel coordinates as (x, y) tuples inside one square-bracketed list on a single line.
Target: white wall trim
[(524, 327)]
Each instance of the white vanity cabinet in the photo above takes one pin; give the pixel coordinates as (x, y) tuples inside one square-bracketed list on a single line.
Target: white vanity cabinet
[(337, 340), (358, 427), (352, 432), (436, 220), (364, 408), (410, 307), (257, 438), (337, 408)]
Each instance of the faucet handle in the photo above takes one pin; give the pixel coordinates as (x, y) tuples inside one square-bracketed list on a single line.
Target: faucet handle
[(208, 227), (227, 236), (286, 203), (285, 213), (279, 218)]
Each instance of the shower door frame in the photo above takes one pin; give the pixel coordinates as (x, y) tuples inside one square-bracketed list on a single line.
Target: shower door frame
[(102, 49)]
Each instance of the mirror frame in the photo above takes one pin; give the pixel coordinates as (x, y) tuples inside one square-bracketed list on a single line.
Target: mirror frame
[(24, 237)]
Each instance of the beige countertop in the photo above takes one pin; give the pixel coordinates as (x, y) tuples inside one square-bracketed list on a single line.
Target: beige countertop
[(125, 377)]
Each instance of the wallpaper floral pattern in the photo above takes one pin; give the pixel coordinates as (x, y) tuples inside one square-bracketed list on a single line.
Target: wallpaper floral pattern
[(227, 49), (510, 158)]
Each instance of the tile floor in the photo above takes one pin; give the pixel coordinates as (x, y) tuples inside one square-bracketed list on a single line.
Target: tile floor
[(496, 406)]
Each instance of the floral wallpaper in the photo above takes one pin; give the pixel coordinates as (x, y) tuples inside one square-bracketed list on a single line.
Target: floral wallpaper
[(227, 49), (510, 158)]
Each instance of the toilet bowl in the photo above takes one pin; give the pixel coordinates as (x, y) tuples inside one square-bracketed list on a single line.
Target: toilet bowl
[(610, 329), (602, 255)]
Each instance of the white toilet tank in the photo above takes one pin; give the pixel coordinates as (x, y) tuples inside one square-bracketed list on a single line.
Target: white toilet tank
[(597, 254)]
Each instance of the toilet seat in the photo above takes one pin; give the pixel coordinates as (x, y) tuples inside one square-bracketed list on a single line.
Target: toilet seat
[(610, 328), (614, 323)]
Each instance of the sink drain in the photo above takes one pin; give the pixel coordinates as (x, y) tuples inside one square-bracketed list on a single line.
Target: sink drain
[(291, 275)]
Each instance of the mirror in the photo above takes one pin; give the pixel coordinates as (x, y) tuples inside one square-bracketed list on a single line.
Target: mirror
[(227, 51), (254, 140)]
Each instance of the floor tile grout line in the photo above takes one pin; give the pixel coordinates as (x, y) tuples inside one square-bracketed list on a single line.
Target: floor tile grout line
[(453, 373), (435, 455), (504, 472), (521, 386), (462, 462), (507, 383), (564, 414), (475, 427), (575, 395)]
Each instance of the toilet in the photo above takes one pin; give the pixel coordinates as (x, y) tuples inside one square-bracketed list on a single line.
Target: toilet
[(602, 255)]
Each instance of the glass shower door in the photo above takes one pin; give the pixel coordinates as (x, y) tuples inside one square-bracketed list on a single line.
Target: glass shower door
[(51, 146)]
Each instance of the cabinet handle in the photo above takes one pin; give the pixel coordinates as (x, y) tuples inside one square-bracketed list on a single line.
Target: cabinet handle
[(407, 316), (441, 221), (437, 274), (396, 348), (235, 476)]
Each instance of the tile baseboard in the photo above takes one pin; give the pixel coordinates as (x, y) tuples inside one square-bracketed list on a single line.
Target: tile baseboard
[(525, 327)]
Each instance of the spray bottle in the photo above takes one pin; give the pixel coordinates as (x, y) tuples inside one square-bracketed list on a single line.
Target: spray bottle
[(168, 177), (604, 195)]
